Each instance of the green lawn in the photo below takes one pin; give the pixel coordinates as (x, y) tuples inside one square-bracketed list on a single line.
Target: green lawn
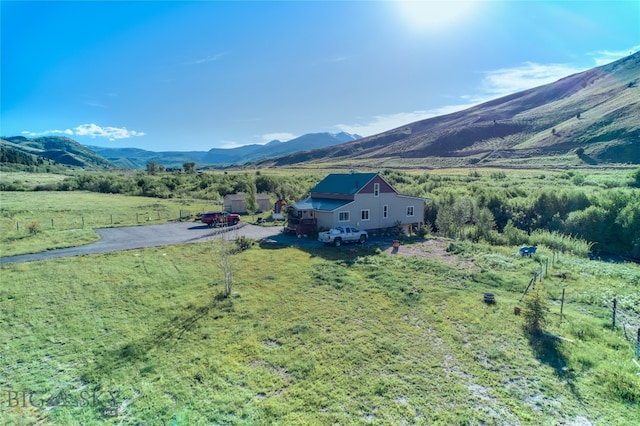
[(323, 336)]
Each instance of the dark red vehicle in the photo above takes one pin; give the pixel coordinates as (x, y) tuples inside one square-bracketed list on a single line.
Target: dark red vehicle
[(214, 219)]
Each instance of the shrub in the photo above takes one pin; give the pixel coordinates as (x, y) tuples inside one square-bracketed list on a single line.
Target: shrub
[(636, 178), (621, 384), (33, 227), (515, 236), (243, 243), (560, 242), (535, 312)]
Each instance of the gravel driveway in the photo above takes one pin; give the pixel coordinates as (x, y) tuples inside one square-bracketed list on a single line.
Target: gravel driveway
[(134, 237)]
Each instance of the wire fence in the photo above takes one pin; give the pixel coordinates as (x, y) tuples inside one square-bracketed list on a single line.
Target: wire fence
[(629, 322), (626, 319), (34, 224)]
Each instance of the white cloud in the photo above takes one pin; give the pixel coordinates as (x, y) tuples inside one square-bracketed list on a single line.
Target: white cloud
[(231, 144), (68, 132), (603, 57), (112, 133), (506, 81), (92, 130), (263, 140), (383, 123), (206, 59), (283, 136)]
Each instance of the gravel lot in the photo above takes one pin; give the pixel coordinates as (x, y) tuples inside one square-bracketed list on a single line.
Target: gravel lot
[(134, 237)]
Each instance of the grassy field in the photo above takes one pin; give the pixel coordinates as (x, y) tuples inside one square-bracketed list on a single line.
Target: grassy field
[(321, 336), (67, 219), (30, 180), (311, 336)]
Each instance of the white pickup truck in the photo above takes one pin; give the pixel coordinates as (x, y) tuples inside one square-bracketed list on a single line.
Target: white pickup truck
[(342, 235)]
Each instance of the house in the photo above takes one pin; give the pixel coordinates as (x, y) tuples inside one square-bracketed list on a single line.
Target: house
[(363, 200), (235, 203)]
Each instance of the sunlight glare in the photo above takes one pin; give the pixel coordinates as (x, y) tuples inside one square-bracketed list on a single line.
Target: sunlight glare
[(433, 15)]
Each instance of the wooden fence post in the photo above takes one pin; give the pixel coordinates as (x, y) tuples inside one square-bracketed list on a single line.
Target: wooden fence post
[(83, 221), (51, 223), (17, 226), (546, 267), (638, 345), (615, 302), (562, 305)]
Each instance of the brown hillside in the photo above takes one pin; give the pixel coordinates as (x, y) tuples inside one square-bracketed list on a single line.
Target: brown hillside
[(597, 110)]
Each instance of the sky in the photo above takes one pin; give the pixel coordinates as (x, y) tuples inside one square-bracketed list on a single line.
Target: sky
[(196, 75)]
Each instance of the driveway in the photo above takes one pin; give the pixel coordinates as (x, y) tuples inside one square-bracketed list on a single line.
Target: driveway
[(135, 237)]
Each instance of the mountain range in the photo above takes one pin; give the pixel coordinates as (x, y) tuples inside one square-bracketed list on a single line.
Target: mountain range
[(75, 154), (591, 117), (138, 158)]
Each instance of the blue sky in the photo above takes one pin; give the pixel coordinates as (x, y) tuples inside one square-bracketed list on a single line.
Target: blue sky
[(163, 75)]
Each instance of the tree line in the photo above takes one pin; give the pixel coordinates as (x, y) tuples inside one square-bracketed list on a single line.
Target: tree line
[(8, 155)]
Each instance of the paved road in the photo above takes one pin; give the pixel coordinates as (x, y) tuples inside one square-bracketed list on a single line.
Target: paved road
[(134, 237)]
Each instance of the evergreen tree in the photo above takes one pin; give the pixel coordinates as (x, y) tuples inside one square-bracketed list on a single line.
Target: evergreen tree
[(535, 312)]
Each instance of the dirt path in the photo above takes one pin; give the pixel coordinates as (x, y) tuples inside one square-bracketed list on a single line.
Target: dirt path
[(134, 237), (435, 248)]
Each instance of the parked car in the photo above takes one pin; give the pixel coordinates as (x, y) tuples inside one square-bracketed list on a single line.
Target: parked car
[(342, 235), (214, 219)]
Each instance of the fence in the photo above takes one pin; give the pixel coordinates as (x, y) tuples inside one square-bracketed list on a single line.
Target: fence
[(630, 324), (26, 225), (628, 321)]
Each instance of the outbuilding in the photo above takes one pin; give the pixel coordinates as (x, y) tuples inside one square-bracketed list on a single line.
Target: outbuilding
[(236, 203)]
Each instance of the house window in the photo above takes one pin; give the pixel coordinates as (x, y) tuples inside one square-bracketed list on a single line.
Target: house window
[(385, 212), (376, 189), (343, 216), (410, 211), (364, 214)]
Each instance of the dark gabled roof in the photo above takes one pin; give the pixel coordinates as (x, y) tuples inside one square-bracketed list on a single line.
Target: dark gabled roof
[(322, 204), (343, 183)]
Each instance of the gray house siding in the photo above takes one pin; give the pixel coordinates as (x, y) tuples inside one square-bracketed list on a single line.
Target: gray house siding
[(360, 203), (373, 208)]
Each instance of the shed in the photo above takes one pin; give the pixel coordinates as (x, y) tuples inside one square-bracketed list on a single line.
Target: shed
[(235, 203)]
